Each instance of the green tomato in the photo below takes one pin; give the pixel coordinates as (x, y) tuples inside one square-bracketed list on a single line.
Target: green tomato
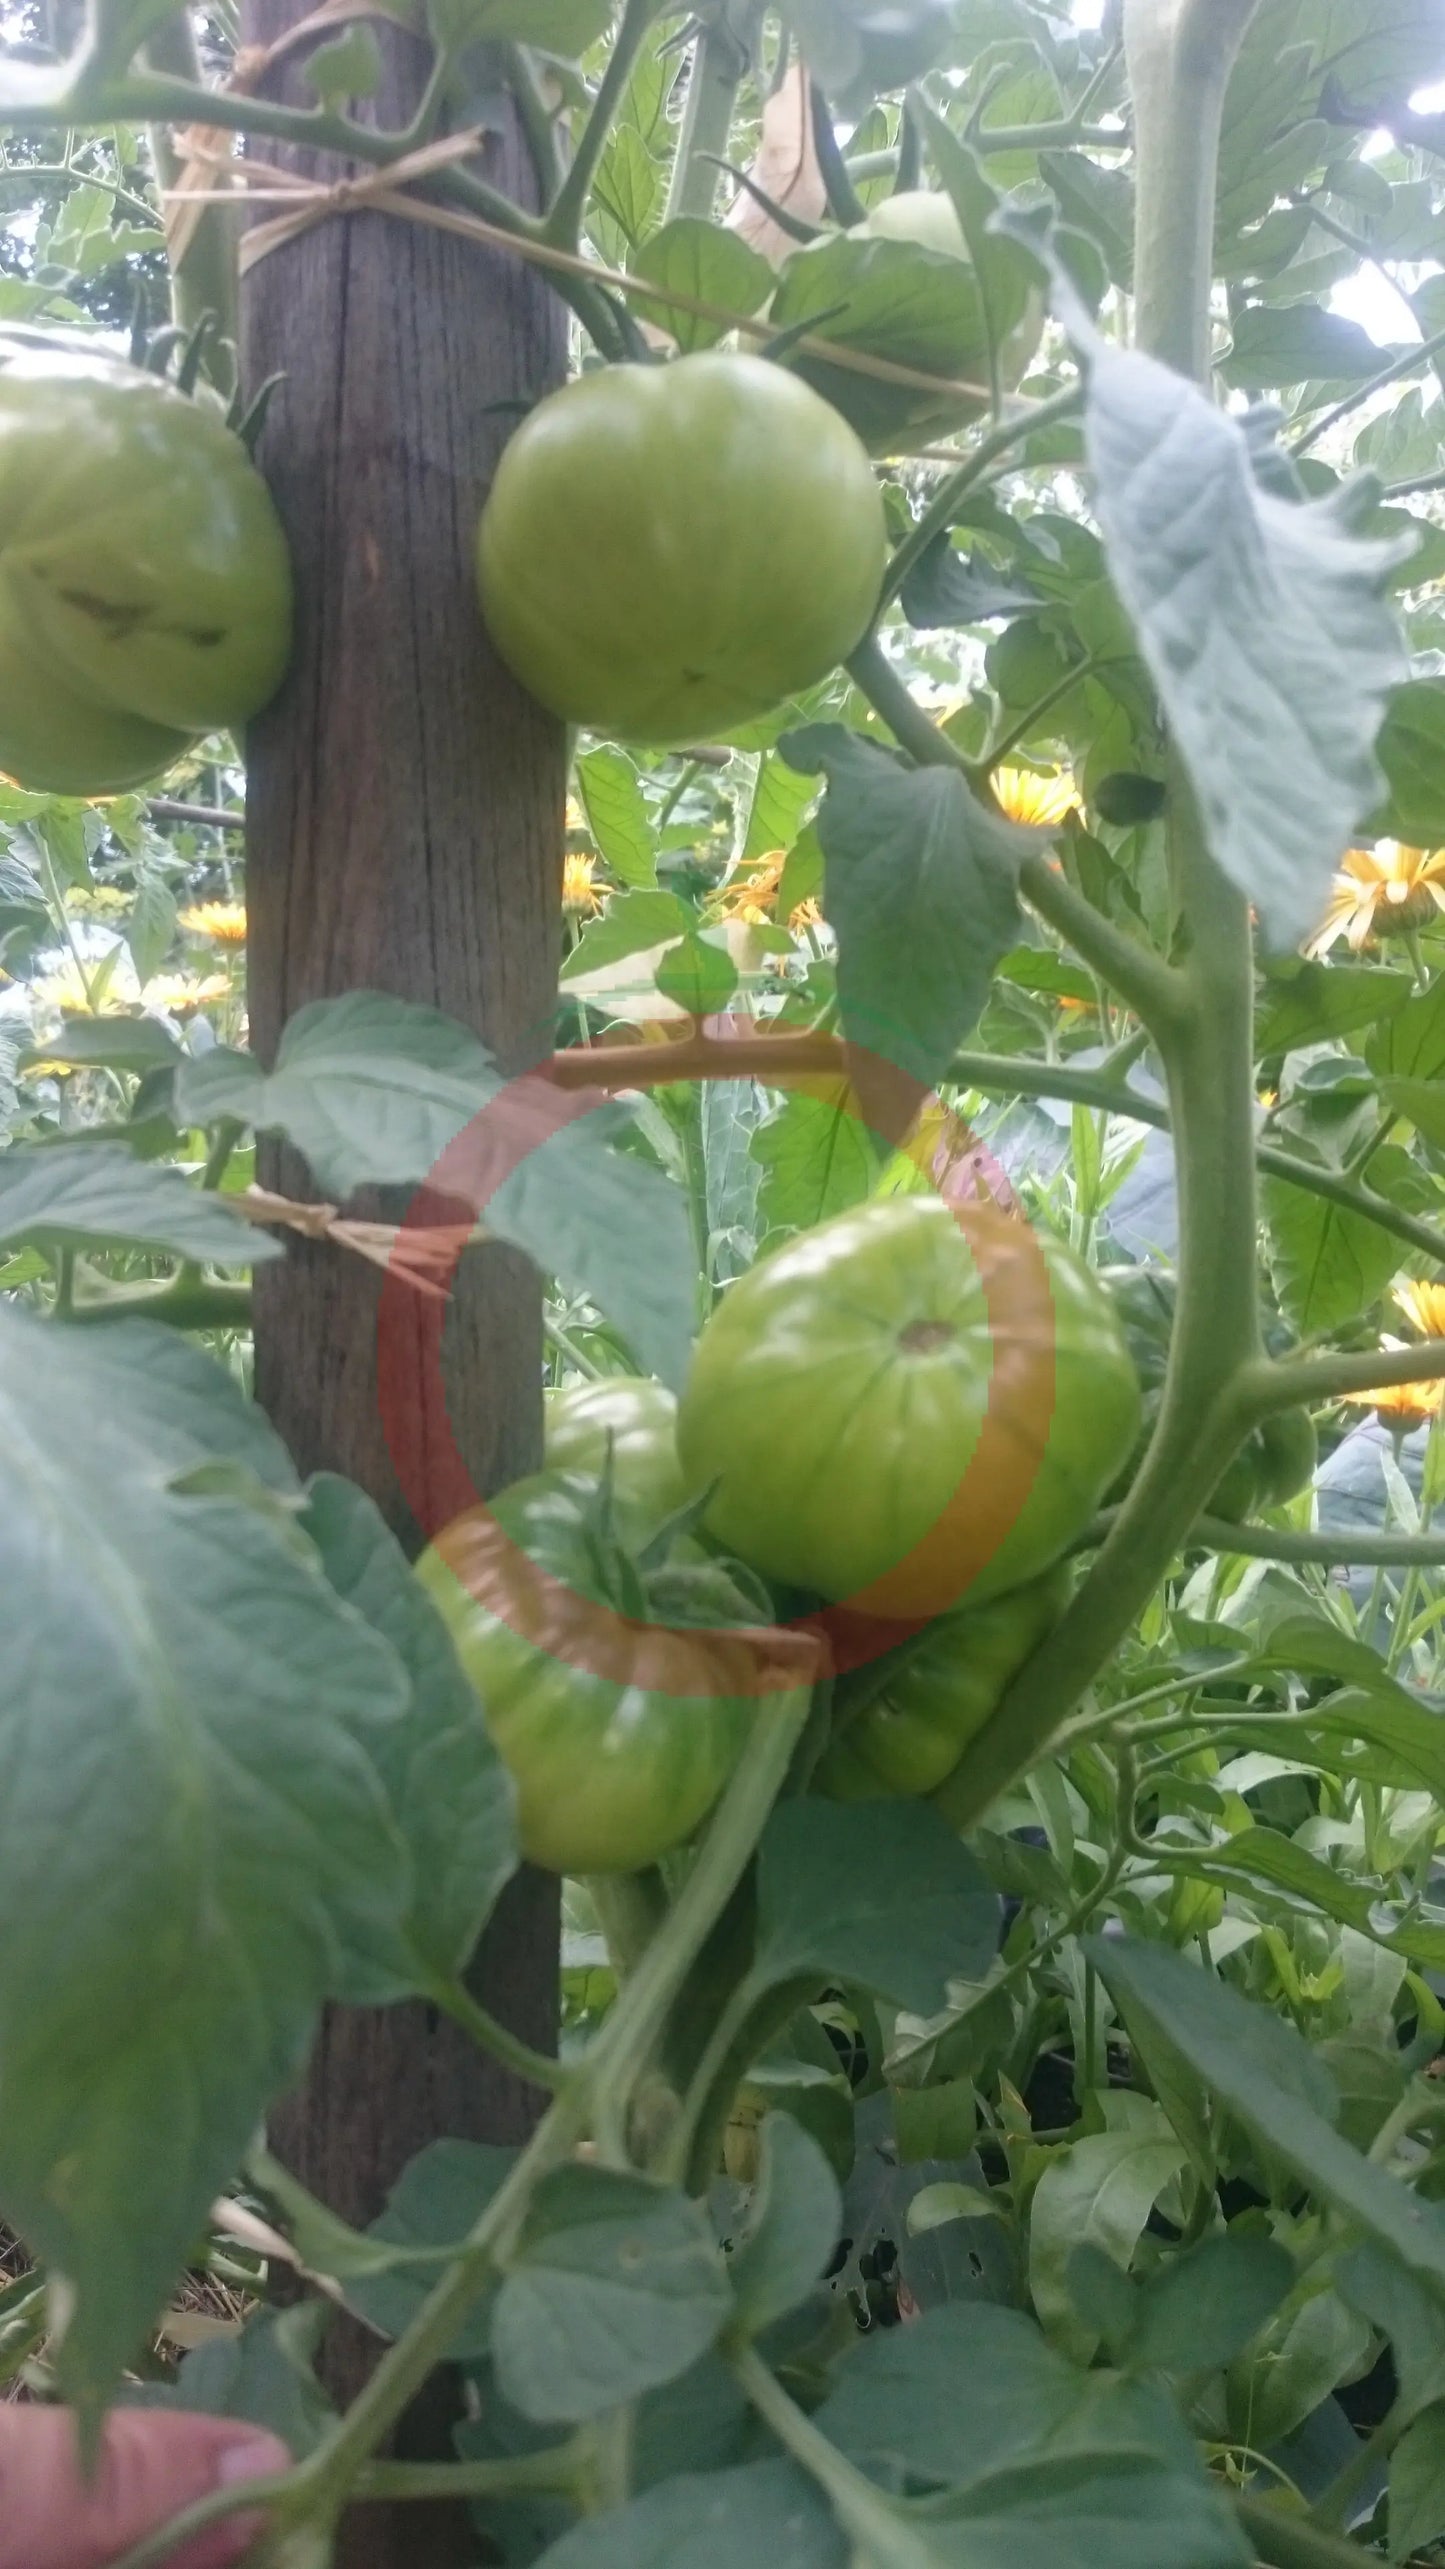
[(1277, 1459), (670, 550), (145, 586), (901, 285), (611, 1773), (904, 1722), (905, 1407), (640, 1417)]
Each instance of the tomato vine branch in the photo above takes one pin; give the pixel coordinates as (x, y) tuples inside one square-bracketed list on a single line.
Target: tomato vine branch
[(563, 222), (1306, 1550), (939, 514)]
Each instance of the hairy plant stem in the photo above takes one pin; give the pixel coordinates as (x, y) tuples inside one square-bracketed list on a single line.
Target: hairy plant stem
[(563, 222), (1283, 2540), (719, 60), (938, 516), (1179, 60), (1309, 1551), (206, 278)]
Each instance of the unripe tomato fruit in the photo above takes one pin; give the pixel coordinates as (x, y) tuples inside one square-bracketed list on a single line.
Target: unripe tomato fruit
[(670, 550), (610, 1775), (907, 1406), (904, 1722), (873, 292), (145, 586), (640, 1417)]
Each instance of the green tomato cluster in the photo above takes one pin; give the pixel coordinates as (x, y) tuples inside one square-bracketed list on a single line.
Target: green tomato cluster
[(145, 586), (836, 1403)]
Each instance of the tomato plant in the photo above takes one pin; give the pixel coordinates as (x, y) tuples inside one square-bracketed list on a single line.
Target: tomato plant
[(968, 1253)]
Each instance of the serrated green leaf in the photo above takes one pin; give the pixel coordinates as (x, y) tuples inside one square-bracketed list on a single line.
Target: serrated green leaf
[(1262, 625), (792, 2229), (697, 975), (614, 2284), (1328, 1264), (712, 265), (632, 924), (921, 896), (195, 1847), (617, 815), (712, 2520), (1320, 1000), (1098, 2193), (881, 1894), (94, 1195), (451, 1799), (816, 1159)]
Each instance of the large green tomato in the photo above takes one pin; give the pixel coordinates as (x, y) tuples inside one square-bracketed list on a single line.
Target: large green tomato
[(640, 1418), (872, 291), (145, 587), (670, 550), (904, 1722), (610, 1774), (906, 1407)]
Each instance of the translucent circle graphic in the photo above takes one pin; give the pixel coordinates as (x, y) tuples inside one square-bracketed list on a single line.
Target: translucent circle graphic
[(445, 1214)]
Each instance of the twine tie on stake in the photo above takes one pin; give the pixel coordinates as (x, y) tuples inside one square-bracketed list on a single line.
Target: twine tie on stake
[(387, 191)]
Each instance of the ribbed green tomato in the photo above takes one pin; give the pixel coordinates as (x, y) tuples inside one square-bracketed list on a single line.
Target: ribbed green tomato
[(145, 587), (670, 550), (612, 1768), (871, 291), (907, 1406), (904, 1723), (640, 1417)]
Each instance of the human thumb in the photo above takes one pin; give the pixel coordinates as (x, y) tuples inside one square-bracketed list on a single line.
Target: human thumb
[(152, 2463)]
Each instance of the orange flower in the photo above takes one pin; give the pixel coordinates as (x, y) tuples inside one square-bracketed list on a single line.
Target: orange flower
[(1379, 891), (806, 915), (1042, 801)]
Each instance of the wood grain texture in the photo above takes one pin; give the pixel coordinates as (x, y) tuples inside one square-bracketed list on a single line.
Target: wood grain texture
[(404, 833)]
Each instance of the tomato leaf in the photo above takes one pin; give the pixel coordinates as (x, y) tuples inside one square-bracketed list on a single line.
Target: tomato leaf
[(1261, 623), (712, 265), (794, 2219), (373, 1090), (1099, 2193), (1328, 1264), (452, 1801), (713, 2520), (816, 1159), (879, 1893), (369, 1088), (920, 890), (617, 816), (1258, 2066), (631, 924), (439, 2196), (613, 2285), (114, 1043), (1411, 750), (194, 1847), (94, 1195)]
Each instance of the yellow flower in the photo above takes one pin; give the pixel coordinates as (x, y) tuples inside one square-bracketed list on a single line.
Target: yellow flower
[(1412, 1403), (224, 922), (806, 915), (576, 818), (47, 1070), (178, 991), (1042, 801), (579, 891), (67, 988), (1379, 890), (1424, 1304)]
